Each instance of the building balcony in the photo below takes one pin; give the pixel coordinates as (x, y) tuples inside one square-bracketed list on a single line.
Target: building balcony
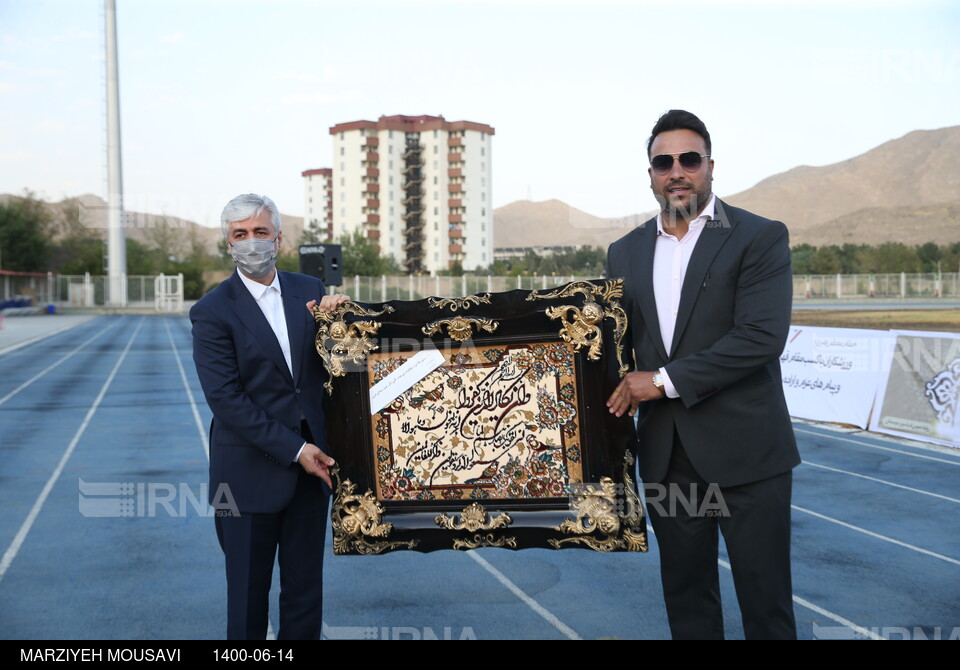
[(373, 218), (372, 172), (455, 142), (372, 157), (455, 218), (454, 202), (456, 233), (455, 188), (455, 249), (454, 158), (373, 234), (371, 187), (455, 172), (373, 203), (371, 142)]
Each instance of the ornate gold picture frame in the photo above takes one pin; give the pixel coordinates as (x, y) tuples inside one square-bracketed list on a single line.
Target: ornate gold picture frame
[(460, 423)]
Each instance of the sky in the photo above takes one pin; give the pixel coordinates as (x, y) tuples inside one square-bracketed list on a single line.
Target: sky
[(223, 97)]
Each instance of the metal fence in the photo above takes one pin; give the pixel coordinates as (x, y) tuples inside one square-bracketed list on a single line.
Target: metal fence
[(165, 292), (160, 292), (895, 285)]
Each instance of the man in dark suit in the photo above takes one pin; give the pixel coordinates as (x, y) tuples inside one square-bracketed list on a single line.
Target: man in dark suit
[(708, 291), (253, 345)]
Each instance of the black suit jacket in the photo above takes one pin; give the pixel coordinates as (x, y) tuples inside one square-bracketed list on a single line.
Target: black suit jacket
[(733, 321), (257, 405)]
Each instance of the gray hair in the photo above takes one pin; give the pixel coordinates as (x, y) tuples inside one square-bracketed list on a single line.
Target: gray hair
[(245, 207)]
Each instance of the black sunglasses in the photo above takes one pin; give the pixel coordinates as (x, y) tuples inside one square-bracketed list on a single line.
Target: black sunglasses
[(689, 161)]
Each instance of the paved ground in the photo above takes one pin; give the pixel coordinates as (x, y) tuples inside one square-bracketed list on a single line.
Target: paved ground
[(103, 459)]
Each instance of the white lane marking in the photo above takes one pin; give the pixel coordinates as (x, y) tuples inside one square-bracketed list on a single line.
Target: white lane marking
[(877, 535), (876, 446), (51, 367), (822, 612), (21, 535), (530, 602), (882, 481), (186, 386)]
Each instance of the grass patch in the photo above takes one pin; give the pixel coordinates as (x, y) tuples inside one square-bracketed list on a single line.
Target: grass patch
[(940, 320)]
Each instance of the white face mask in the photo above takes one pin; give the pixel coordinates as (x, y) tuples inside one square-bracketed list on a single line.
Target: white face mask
[(255, 257)]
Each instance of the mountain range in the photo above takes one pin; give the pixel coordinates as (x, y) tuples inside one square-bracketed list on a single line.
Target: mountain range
[(905, 190)]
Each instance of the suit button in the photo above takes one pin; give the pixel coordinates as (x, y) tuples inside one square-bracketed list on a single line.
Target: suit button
[(297, 391)]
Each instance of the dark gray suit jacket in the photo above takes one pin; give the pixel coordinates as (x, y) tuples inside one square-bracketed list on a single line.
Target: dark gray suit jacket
[(257, 405), (731, 328)]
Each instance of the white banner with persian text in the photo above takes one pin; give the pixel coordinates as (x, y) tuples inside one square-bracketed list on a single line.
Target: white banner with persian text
[(833, 374), (920, 397)]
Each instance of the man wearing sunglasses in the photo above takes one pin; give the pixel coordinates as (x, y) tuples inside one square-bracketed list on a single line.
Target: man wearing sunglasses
[(708, 291)]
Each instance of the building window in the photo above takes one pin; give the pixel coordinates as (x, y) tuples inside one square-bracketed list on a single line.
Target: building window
[(436, 149), (436, 165), (434, 179), (390, 149), (390, 134), (434, 134), (342, 151), (436, 211), (343, 181), (483, 151), (391, 180)]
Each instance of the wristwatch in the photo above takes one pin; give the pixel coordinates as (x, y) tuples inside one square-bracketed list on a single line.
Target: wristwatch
[(658, 382)]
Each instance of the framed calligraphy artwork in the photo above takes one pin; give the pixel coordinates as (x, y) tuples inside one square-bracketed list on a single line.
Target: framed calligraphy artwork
[(459, 423)]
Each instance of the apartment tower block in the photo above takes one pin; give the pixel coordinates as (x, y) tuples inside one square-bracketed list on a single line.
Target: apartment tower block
[(419, 187)]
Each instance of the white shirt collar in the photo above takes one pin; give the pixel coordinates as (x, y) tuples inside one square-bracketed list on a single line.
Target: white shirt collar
[(702, 218), (257, 290)]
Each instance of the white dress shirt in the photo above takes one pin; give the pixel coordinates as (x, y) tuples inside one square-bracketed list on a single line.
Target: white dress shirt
[(270, 301), (670, 260)]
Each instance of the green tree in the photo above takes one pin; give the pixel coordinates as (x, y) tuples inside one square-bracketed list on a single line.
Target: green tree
[(24, 235), (825, 261), (801, 255), (929, 255), (361, 257)]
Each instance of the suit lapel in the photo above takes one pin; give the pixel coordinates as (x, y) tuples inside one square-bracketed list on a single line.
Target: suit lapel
[(712, 237), (251, 316), (643, 278)]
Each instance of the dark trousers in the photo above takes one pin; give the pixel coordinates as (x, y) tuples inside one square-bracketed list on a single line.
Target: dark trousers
[(755, 521), (250, 543)]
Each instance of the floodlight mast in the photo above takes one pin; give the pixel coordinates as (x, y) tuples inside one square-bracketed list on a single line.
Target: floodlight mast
[(116, 240)]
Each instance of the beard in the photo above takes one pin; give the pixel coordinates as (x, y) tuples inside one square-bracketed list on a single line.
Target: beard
[(685, 208)]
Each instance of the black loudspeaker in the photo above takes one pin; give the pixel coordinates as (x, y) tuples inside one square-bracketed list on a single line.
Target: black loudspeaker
[(322, 261)]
